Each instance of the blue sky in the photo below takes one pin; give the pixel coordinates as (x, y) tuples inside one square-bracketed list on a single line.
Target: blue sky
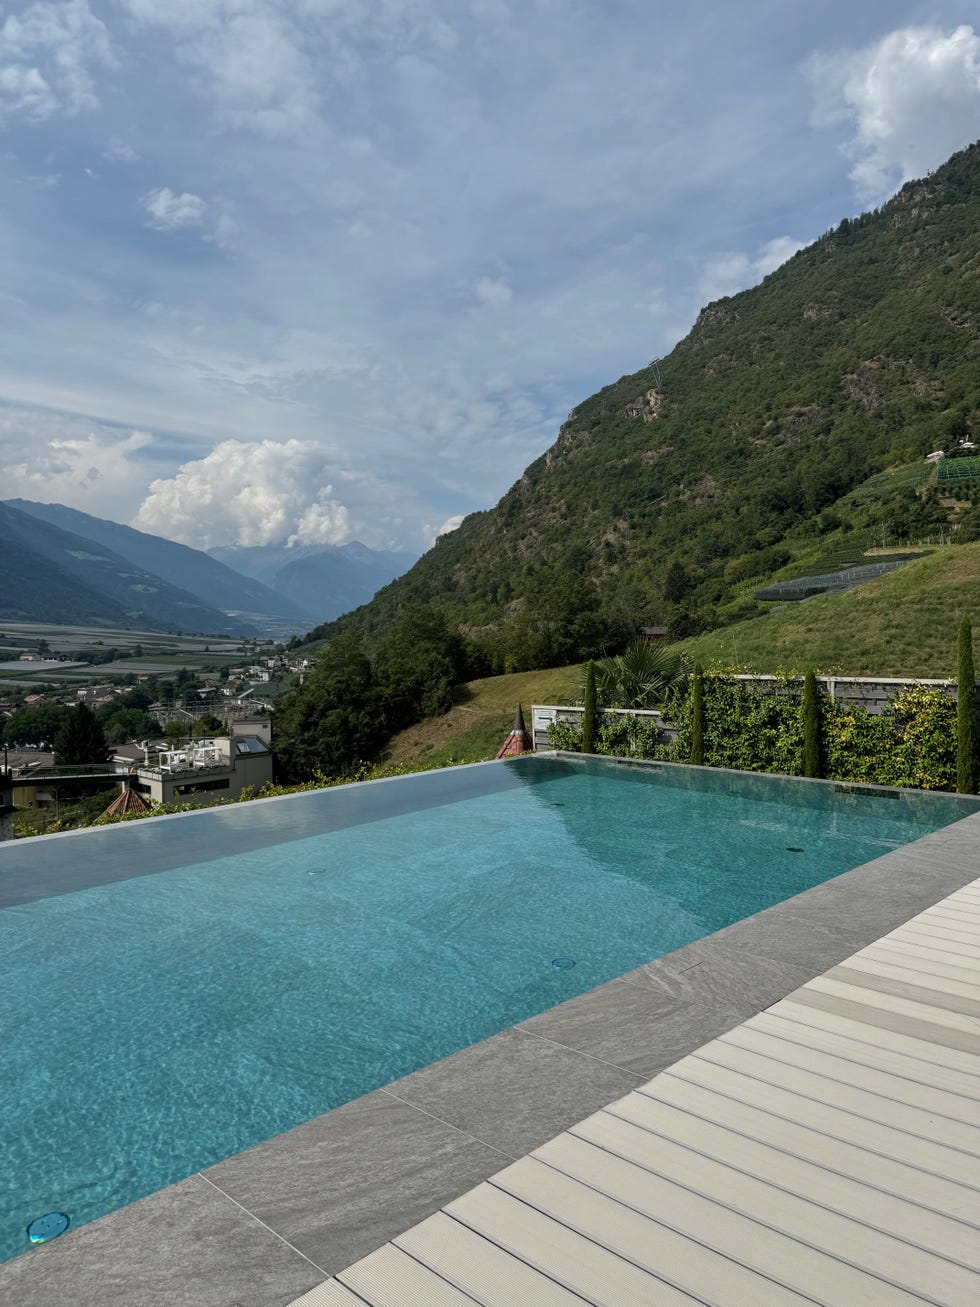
[(321, 270)]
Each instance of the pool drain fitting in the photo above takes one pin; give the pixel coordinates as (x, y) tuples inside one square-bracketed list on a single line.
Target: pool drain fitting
[(48, 1226)]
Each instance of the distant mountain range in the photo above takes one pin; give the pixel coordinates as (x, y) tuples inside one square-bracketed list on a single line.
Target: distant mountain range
[(322, 580), (58, 564), (48, 574)]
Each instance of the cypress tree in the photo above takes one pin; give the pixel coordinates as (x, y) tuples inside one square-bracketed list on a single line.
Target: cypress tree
[(966, 764), (588, 710), (811, 726), (697, 716), (81, 740)]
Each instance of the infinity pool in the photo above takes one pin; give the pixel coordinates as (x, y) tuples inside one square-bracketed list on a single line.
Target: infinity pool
[(173, 991)]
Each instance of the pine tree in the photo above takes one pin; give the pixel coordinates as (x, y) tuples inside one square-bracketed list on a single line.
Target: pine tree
[(811, 726), (588, 710), (697, 716), (966, 758), (81, 740)]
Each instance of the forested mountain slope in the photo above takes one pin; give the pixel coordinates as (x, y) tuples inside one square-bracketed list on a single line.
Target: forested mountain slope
[(662, 496), (52, 575), (207, 579)]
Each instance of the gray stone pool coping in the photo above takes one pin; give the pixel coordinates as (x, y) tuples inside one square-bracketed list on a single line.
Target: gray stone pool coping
[(260, 1228)]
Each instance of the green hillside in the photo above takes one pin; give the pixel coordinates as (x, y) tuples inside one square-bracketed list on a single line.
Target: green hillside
[(669, 488), (481, 715), (902, 624)]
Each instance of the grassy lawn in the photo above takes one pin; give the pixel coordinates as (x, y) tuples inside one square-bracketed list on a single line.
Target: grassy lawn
[(902, 624), (476, 725)]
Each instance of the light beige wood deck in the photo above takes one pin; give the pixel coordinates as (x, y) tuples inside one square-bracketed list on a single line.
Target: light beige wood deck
[(825, 1151)]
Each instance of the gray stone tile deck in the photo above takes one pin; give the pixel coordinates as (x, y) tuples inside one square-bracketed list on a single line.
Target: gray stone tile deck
[(824, 1151), (273, 1222)]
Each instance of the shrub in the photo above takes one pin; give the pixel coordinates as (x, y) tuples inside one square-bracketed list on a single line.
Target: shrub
[(697, 717), (588, 710), (811, 726), (966, 706)]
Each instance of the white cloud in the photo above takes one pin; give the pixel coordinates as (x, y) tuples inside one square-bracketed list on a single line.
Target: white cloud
[(61, 458), (25, 93), (430, 534), (734, 271), (169, 211), (910, 99), (247, 55), (490, 290), (48, 55), (120, 152), (292, 492)]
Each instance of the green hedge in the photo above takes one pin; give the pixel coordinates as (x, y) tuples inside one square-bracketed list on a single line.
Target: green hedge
[(911, 744)]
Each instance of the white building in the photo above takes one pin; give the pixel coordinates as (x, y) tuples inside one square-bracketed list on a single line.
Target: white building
[(219, 766)]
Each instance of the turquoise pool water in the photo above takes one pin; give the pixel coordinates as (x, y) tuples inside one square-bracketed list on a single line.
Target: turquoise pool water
[(217, 978)]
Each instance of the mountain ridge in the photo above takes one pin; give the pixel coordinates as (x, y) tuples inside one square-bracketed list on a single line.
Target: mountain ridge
[(209, 580), (349, 574), (49, 574), (667, 487)]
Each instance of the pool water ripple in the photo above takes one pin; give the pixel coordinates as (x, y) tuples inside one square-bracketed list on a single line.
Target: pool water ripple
[(154, 1025)]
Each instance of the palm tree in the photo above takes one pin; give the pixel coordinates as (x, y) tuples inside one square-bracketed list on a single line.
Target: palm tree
[(642, 676)]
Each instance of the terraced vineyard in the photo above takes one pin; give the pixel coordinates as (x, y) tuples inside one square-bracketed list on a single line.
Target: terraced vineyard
[(955, 470)]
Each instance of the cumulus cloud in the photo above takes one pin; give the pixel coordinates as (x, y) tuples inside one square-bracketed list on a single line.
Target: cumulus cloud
[(910, 100), (48, 57), (170, 211), (291, 492), (734, 271), (430, 533), (62, 458)]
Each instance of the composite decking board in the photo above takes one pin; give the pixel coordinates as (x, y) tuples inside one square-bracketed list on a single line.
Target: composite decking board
[(600, 1276), (916, 964), (950, 941), (947, 985), (393, 1278), (806, 1034), (890, 1174), (616, 1215), (328, 1294), (927, 954), (926, 935), (967, 913), (956, 923), (832, 1020), (832, 1122), (790, 1240), (965, 895), (473, 1263), (871, 1010), (908, 988), (826, 1150), (915, 1009), (833, 1067), (692, 1144), (877, 1106)]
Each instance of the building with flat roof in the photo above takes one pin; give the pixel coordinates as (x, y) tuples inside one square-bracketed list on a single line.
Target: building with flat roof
[(219, 766)]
